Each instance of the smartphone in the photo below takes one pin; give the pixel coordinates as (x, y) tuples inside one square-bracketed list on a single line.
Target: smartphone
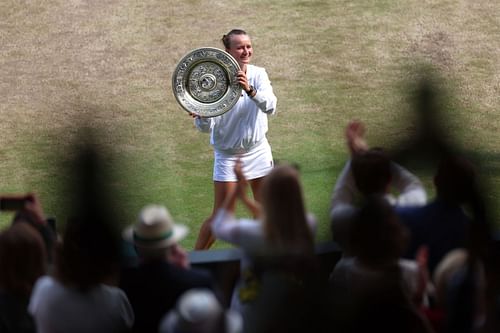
[(12, 204)]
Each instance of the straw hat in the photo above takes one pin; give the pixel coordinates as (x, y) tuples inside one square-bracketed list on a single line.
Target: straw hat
[(155, 229)]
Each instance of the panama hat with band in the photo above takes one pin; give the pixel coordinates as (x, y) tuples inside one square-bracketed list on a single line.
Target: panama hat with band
[(155, 228)]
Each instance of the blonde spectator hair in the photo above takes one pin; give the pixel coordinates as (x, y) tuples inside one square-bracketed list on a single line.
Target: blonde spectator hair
[(285, 220)]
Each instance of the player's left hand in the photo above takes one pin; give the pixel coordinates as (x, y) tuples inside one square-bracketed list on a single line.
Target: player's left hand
[(243, 80)]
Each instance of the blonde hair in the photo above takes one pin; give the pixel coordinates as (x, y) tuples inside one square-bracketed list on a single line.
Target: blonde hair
[(285, 220)]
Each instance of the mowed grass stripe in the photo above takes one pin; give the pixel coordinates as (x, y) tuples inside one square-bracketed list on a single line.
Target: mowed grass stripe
[(108, 65)]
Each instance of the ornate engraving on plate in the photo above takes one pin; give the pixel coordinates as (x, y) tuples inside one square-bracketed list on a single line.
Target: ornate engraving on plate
[(204, 82)]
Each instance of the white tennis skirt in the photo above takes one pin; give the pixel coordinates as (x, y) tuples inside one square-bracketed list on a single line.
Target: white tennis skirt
[(256, 163)]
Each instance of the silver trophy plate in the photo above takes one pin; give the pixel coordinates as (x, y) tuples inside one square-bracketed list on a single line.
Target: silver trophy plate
[(204, 82)]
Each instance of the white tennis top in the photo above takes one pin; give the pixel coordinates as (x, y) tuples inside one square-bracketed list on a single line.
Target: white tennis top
[(245, 124)]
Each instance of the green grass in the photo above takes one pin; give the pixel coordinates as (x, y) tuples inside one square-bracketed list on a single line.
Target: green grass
[(108, 65)]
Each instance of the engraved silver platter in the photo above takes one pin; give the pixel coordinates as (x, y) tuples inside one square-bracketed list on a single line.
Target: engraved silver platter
[(204, 82)]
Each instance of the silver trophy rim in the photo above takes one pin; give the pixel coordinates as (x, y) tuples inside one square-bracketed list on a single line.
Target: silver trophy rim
[(181, 77)]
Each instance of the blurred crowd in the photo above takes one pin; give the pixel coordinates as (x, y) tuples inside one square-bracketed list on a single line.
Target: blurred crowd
[(409, 262)]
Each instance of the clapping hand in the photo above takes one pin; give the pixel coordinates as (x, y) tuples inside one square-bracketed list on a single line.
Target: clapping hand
[(241, 190), (354, 133), (242, 185)]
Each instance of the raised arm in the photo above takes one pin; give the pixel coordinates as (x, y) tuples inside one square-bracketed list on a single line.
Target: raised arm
[(410, 188), (355, 137), (342, 208), (345, 189)]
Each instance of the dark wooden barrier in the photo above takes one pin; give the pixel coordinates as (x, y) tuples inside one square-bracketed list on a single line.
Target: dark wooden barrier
[(225, 264)]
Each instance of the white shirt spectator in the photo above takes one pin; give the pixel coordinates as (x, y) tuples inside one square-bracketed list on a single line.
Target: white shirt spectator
[(59, 309)]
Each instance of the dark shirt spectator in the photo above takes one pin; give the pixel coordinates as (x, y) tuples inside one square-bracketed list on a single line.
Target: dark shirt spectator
[(442, 225), (154, 285)]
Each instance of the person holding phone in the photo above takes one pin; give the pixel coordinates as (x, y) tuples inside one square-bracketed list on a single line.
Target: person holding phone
[(241, 132), (27, 208)]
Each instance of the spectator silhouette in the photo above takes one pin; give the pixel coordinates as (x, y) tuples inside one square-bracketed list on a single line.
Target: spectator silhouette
[(199, 311), (368, 172), (454, 283), (22, 262), (277, 289), (372, 290), (163, 272), (442, 225), (430, 146), (28, 209), (79, 296)]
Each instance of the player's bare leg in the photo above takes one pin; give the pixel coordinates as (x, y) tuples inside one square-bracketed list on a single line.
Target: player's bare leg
[(205, 236)]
